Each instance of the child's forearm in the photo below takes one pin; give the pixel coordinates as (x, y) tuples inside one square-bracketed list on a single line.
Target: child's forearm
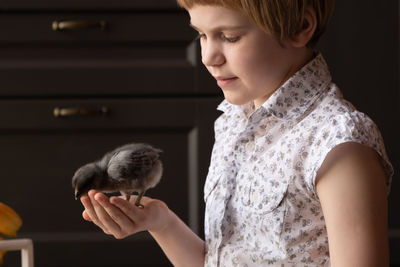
[(180, 244)]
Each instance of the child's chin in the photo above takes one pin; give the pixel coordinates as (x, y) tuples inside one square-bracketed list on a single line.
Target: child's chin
[(236, 100)]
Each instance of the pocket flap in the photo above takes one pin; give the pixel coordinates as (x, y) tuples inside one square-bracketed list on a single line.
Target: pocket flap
[(267, 193)]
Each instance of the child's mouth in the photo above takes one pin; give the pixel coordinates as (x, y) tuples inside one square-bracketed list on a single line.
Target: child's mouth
[(224, 81)]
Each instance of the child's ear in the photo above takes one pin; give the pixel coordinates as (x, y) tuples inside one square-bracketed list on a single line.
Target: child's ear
[(301, 38)]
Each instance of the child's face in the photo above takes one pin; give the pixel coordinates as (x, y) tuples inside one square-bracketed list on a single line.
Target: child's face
[(248, 64)]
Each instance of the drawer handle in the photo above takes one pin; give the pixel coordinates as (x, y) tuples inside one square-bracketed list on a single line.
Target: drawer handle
[(77, 111), (77, 25)]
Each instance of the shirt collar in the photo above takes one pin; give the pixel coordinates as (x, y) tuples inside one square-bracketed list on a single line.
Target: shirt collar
[(295, 96)]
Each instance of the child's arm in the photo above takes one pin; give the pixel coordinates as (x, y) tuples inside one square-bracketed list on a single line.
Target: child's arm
[(352, 190), (120, 218)]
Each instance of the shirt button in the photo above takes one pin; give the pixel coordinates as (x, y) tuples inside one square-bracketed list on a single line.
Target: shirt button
[(250, 146)]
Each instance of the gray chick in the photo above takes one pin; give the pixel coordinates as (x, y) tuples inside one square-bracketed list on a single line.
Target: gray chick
[(130, 168)]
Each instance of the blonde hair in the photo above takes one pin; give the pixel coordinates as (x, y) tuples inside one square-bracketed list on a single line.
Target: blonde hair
[(281, 18)]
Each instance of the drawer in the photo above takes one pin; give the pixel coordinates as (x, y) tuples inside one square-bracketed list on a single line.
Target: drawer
[(87, 4), (55, 114), (73, 28), (98, 77), (135, 53)]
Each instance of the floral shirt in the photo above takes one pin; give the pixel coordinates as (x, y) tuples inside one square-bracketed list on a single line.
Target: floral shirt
[(261, 203)]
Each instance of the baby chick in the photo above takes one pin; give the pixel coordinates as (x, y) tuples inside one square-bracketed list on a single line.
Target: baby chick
[(130, 168)]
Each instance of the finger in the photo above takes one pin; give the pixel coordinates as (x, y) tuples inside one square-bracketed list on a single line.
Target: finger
[(146, 200), (132, 200), (89, 210), (124, 222), (91, 213), (133, 212), (100, 215), (86, 216), (108, 222)]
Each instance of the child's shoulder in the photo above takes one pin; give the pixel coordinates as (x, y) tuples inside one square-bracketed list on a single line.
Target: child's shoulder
[(335, 121), (335, 114)]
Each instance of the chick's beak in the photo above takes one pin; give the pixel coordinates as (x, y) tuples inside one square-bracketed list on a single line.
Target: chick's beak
[(77, 194)]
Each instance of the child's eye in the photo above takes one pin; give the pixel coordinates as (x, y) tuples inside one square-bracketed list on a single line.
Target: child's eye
[(230, 39), (200, 36)]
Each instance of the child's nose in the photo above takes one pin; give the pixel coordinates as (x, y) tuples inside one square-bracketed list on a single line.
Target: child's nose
[(211, 54)]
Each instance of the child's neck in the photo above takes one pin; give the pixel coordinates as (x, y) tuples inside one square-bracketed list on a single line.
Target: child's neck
[(301, 58)]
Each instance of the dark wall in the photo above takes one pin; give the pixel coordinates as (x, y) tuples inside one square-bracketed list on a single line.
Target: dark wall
[(361, 47)]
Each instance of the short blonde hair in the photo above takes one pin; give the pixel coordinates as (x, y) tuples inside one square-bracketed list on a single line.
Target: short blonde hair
[(281, 18)]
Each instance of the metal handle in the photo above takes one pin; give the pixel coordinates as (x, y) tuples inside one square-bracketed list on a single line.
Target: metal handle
[(77, 25), (77, 111)]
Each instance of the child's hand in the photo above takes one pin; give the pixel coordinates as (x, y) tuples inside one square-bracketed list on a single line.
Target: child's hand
[(120, 218)]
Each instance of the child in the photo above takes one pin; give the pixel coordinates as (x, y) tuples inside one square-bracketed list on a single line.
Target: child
[(297, 176)]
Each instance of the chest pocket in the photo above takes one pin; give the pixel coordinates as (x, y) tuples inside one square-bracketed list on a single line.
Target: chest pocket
[(262, 194), (260, 202)]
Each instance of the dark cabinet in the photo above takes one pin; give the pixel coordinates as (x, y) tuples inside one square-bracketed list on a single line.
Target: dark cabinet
[(40, 153), (134, 67), (96, 53), (136, 60)]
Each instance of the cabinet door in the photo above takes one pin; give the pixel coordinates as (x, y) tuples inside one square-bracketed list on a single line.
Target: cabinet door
[(135, 53), (40, 153)]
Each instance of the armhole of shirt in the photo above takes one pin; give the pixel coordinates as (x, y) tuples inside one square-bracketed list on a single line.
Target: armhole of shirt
[(387, 167)]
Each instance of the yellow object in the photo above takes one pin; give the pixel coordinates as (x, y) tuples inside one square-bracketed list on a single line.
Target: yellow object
[(10, 222), (2, 252)]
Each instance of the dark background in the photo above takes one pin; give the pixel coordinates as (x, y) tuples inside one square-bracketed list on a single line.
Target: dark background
[(362, 50), (145, 69)]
